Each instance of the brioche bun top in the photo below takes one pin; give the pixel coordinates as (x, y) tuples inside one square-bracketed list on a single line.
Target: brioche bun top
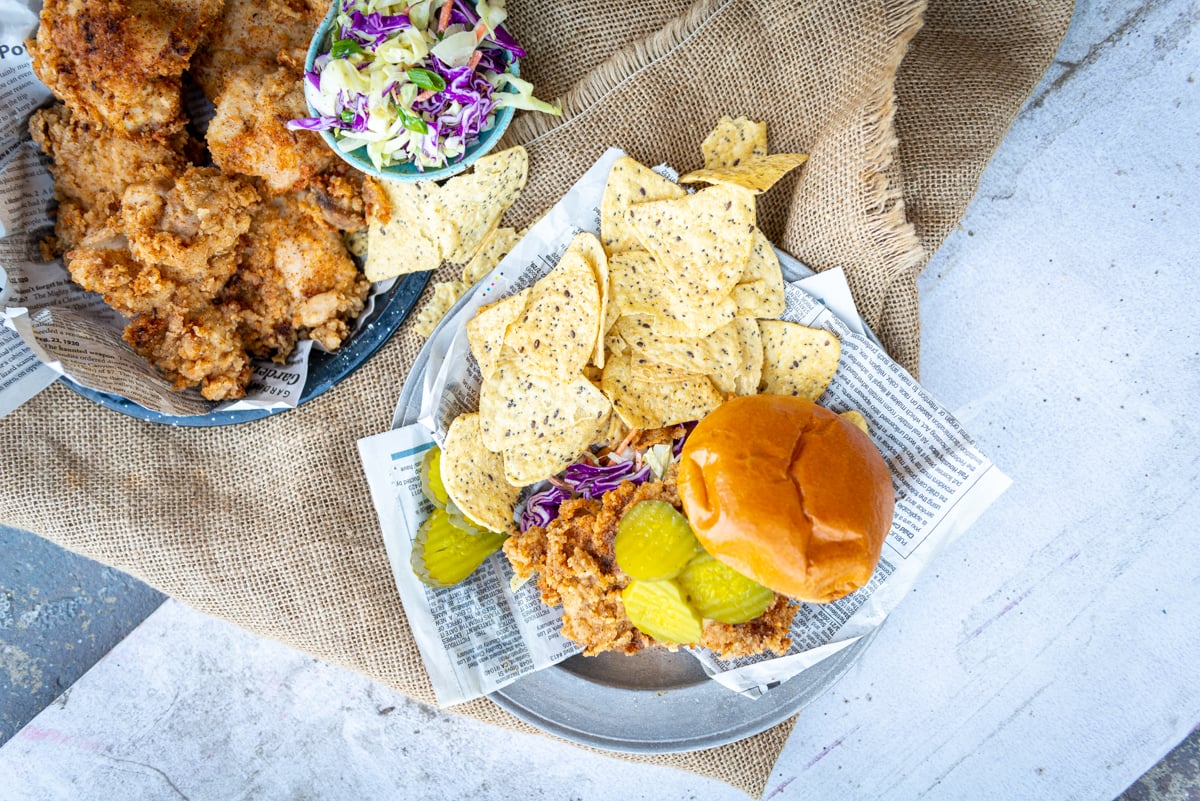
[(789, 494)]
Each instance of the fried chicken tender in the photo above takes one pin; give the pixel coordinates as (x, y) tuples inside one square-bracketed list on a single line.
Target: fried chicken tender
[(191, 223), (251, 32), (93, 166), (296, 277), (194, 345), (576, 568), (248, 133), (119, 62)]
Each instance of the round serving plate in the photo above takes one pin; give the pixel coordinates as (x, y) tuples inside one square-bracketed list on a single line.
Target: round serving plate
[(656, 702), (325, 369), (652, 702)]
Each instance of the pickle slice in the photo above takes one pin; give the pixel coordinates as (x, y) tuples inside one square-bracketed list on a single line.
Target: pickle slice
[(659, 610), (654, 541), (431, 477), (445, 552), (720, 593)]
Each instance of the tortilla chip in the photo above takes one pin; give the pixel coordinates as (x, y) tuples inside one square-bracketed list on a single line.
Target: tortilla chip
[(476, 200), (474, 477), (702, 240), (540, 423), (642, 404), (486, 330), (760, 291), (856, 418), (642, 369), (629, 182), (750, 368), (588, 246), (638, 284), (557, 332), (717, 355), (445, 295), (757, 174), (734, 141), (410, 231), (498, 244), (797, 360)]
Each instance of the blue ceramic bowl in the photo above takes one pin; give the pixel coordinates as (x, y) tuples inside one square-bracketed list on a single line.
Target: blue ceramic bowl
[(322, 42)]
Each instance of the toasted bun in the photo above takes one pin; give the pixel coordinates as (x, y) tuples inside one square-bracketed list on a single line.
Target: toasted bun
[(787, 493)]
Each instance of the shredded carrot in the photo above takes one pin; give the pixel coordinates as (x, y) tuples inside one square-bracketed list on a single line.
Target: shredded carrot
[(473, 62), (628, 439), (481, 31), (444, 16), (426, 94)]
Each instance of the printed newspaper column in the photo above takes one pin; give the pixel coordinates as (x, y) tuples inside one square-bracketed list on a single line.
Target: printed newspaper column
[(477, 636)]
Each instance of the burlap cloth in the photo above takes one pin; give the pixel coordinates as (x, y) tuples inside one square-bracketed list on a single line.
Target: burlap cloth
[(269, 524)]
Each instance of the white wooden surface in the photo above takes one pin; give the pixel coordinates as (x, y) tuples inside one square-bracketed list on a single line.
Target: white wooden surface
[(1049, 654)]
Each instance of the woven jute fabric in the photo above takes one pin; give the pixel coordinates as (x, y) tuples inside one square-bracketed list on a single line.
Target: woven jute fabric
[(269, 524)]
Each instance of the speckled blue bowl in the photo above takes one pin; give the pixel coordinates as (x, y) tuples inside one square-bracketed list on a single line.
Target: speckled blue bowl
[(321, 43)]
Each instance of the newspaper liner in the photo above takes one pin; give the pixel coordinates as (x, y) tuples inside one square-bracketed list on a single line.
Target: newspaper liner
[(52, 327), (485, 633)]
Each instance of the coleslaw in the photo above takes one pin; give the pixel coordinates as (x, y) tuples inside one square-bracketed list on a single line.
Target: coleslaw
[(415, 82)]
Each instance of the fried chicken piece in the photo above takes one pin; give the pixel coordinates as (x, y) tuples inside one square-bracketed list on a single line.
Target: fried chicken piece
[(193, 224), (162, 260), (576, 567), (253, 32), (119, 62), (194, 346), (296, 278), (93, 166), (248, 133), (339, 194)]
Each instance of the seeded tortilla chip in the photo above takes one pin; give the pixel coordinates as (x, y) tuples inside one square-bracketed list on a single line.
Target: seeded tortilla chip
[(638, 284), (539, 423), (797, 360), (409, 230), (642, 369), (557, 332), (757, 174), (629, 182), (589, 247), (760, 291), (476, 200), (750, 368), (734, 141), (642, 404), (445, 295), (717, 355), (498, 244), (486, 330), (474, 477), (702, 240)]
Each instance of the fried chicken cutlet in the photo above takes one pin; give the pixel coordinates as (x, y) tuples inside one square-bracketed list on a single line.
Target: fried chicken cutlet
[(92, 166), (162, 260), (120, 62), (576, 566), (296, 278), (251, 67)]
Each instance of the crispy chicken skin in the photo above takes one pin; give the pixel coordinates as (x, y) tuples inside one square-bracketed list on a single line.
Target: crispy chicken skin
[(92, 166), (192, 223), (248, 133), (254, 31), (576, 568), (119, 62), (296, 276)]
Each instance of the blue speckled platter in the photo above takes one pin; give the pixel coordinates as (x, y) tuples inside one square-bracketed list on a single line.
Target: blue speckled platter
[(325, 370)]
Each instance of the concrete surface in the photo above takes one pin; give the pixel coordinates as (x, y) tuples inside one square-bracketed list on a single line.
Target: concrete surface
[(1085, 225), (59, 613)]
